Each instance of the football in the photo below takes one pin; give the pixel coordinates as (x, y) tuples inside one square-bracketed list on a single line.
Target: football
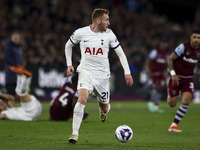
[(123, 133)]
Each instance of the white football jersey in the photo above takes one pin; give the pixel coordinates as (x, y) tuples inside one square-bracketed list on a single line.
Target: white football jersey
[(94, 50)]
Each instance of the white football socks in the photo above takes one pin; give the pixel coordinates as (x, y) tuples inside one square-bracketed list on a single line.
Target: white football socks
[(22, 85), (77, 117)]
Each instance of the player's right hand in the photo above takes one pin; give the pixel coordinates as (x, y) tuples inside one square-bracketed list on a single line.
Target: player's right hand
[(129, 80), (70, 70), (175, 80)]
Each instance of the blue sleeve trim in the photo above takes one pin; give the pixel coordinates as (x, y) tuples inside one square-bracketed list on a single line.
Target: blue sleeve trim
[(72, 41), (115, 46)]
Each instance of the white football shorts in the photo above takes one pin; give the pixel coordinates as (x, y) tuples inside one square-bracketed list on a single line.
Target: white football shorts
[(98, 87)]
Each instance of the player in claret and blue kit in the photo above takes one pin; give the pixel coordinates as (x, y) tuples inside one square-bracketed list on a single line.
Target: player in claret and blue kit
[(156, 66), (62, 105), (181, 64)]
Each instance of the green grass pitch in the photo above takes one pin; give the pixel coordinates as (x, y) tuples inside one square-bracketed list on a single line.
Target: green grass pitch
[(150, 130)]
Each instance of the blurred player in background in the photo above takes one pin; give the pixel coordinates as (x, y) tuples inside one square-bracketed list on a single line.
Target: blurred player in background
[(62, 105), (12, 57), (94, 71), (30, 107), (181, 64), (156, 66)]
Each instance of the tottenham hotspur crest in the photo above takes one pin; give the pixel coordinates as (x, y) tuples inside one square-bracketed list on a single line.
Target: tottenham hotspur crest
[(102, 41)]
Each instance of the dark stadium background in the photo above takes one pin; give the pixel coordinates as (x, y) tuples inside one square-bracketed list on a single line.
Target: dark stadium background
[(139, 24), (177, 10)]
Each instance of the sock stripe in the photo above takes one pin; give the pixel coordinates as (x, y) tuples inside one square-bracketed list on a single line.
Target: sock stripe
[(178, 118), (180, 113), (155, 96), (182, 109), (183, 105)]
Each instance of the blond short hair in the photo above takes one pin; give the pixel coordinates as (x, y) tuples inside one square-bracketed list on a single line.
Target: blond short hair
[(99, 12)]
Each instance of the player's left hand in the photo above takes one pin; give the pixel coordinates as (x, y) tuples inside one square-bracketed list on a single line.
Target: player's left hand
[(129, 79)]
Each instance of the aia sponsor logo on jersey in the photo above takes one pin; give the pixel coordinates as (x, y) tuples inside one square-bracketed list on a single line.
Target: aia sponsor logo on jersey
[(94, 51)]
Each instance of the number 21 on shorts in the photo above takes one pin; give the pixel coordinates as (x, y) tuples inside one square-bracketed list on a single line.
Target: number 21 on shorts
[(104, 96)]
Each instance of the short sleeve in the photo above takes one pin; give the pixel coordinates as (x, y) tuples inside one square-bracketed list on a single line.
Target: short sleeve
[(76, 94), (180, 49), (153, 54)]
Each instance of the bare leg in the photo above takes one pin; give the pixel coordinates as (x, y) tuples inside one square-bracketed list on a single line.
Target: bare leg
[(103, 110), (25, 99), (104, 107)]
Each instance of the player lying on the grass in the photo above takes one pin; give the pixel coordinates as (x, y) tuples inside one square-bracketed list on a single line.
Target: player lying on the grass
[(30, 108), (62, 105), (181, 64)]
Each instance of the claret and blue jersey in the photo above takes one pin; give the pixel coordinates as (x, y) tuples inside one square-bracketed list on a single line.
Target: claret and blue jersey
[(188, 58)]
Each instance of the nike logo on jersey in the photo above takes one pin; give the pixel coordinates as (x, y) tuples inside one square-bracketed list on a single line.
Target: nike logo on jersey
[(85, 40)]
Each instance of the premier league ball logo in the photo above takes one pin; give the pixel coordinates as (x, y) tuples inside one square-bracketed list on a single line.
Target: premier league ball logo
[(124, 133)]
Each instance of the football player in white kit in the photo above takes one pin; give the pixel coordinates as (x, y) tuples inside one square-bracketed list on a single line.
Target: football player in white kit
[(95, 42), (30, 108)]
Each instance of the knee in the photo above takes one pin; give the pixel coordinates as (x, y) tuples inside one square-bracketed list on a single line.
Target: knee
[(82, 100), (172, 103)]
